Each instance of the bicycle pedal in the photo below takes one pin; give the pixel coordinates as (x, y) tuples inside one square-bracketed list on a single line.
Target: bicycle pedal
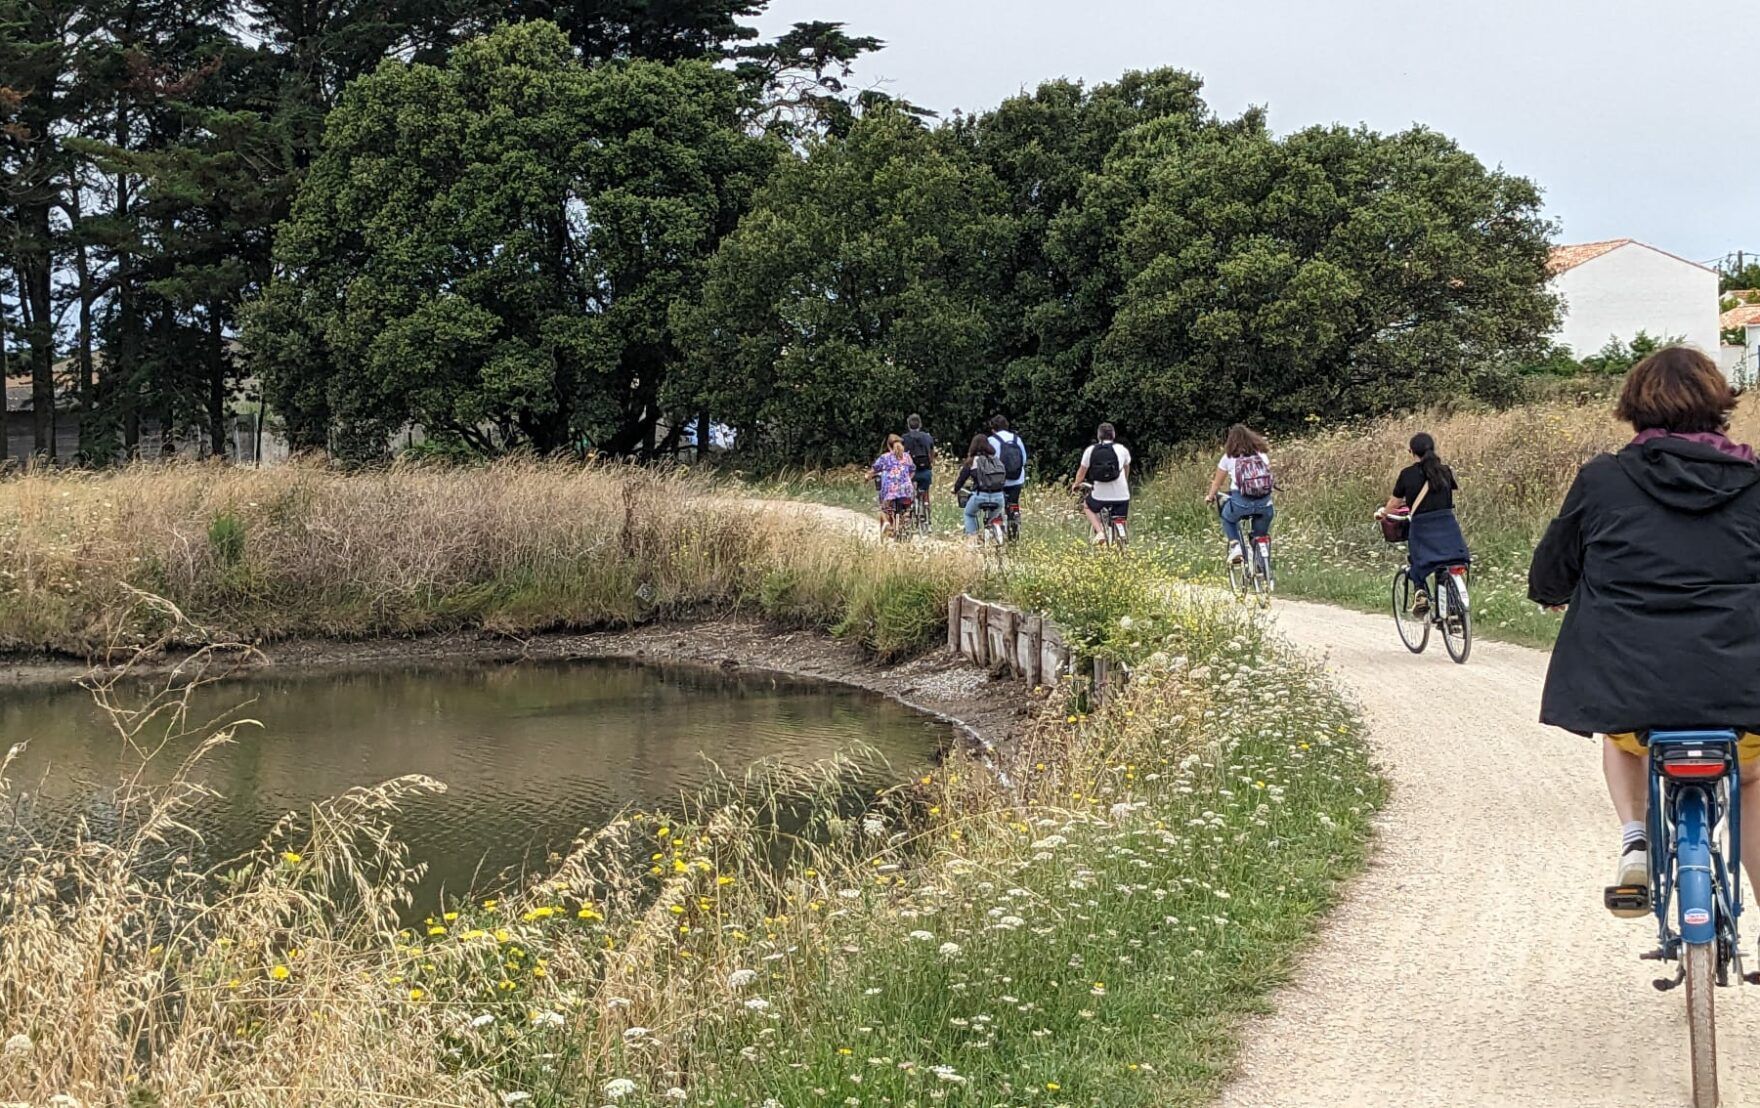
[(1628, 901)]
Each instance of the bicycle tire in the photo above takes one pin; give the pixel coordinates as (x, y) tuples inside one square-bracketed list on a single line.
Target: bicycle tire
[(1237, 579), (1699, 961), (1415, 637), (1262, 560), (1459, 640), (1255, 574)]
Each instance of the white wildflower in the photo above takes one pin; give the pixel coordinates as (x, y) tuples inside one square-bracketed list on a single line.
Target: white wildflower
[(17, 1046), (873, 826), (483, 1020), (548, 1019), (515, 1098), (676, 1093), (740, 978), (635, 1034), (619, 1087), (949, 950), (921, 936), (757, 1004)]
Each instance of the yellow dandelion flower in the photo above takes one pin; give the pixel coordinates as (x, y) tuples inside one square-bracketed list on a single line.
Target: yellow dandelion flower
[(436, 930), (450, 916), (588, 913), (280, 973), (291, 857), (489, 905), (417, 994), (724, 880)]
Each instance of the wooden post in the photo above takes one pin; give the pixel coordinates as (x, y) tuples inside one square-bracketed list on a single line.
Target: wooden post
[(1102, 680), (954, 604), (981, 634), (1026, 649)]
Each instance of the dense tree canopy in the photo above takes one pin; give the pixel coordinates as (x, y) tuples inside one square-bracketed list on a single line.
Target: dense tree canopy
[(590, 223), (1116, 253), (852, 295), (490, 248), (150, 148)]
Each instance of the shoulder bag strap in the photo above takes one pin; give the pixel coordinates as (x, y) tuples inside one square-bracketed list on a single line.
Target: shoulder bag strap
[(1422, 493)]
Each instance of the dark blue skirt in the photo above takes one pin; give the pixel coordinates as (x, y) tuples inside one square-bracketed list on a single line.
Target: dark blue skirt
[(1434, 541)]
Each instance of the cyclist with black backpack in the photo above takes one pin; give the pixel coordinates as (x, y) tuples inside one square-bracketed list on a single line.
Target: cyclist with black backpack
[(920, 445), (1011, 451), (985, 472), (1107, 466), (1246, 467)]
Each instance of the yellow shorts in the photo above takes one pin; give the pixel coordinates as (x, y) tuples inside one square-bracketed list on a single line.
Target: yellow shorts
[(1747, 744)]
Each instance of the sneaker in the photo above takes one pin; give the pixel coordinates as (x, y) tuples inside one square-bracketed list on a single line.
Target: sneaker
[(1235, 557), (1421, 604), (1097, 539), (1634, 869)]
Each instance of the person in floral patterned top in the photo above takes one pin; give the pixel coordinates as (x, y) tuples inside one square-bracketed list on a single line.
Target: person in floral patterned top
[(896, 476)]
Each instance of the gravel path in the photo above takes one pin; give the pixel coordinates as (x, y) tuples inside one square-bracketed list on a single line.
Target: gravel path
[(1473, 964)]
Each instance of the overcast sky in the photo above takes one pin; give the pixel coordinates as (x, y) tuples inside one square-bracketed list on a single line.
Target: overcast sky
[(1638, 118)]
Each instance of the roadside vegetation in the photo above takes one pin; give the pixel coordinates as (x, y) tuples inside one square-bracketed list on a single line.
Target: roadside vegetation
[(1083, 919), (511, 547), (1514, 467)]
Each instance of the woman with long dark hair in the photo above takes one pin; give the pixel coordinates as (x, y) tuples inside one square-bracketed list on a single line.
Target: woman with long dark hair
[(1245, 467), (1426, 488), (984, 471)]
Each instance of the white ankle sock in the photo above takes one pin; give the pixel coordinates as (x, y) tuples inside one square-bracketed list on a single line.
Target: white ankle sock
[(1633, 831)]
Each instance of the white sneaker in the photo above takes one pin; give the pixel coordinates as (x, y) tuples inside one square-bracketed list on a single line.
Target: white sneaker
[(1235, 556), (1634, 865)]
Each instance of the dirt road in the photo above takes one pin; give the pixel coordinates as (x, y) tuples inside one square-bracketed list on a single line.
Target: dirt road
[(1474, 965)]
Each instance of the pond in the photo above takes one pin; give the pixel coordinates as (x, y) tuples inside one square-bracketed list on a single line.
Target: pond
[(532, 754)]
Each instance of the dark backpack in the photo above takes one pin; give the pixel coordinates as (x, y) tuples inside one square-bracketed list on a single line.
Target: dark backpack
[(988, 474), (920, 447), (1014, 459), (1252, 476), (1103, 463)]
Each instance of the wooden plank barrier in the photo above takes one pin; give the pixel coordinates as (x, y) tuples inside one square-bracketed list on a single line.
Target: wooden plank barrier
[(1024, 645)]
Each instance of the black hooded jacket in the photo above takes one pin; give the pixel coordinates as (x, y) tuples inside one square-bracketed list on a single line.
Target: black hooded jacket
[(1657, 552)]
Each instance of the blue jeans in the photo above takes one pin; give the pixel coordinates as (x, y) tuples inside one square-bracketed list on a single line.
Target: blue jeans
[(1238, 507), (988, 502)]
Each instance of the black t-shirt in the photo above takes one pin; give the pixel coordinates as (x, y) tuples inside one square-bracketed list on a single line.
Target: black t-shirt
[(1411, 483), (919, 444)]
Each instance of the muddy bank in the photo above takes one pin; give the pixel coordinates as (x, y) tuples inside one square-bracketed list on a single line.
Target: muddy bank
[(993, 712)]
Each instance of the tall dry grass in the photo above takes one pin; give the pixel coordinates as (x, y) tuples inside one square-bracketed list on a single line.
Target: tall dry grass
[(515, 547)]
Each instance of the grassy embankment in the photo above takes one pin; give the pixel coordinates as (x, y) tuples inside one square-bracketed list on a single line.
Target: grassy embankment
[(1091, 935)]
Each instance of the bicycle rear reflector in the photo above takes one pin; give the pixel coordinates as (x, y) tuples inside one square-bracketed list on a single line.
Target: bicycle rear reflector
[(1694, 763)]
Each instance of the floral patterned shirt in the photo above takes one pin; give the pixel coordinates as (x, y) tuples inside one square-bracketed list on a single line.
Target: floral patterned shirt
[(898, 476)]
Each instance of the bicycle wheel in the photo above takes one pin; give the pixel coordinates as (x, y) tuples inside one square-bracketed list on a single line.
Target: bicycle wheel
[(1414, 630), (1237, 578), (920, 512), (1457, 621), (1262, 574), (1699, 960)]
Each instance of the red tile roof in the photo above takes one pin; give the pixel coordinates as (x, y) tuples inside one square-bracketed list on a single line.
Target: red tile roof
[(1570, 257), (1743, 315)]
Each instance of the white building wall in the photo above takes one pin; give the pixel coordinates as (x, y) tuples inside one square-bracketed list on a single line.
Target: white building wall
[(1633, 288)]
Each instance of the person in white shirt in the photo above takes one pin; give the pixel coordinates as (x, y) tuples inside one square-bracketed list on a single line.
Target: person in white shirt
[(1108, 465), (1011, 449), (1246, 467)]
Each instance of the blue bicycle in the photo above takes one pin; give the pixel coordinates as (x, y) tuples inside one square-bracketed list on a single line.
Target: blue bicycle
[(1695, 885)]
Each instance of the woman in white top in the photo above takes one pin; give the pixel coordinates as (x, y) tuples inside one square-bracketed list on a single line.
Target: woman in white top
[(1109, 464), (1246, 467)]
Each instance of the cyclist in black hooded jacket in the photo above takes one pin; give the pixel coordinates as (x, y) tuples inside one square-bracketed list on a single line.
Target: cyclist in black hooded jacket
[(1655, 556)]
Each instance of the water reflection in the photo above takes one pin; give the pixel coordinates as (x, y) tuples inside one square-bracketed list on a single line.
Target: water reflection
[(531, 754)]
